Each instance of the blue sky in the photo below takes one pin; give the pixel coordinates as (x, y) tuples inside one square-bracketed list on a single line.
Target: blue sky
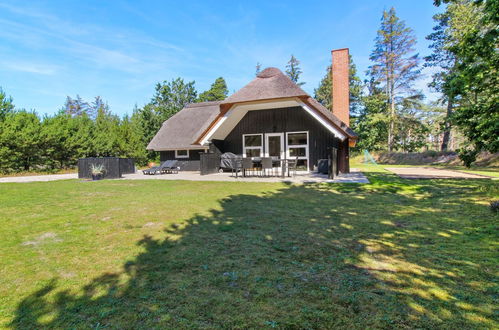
[(121, 49)]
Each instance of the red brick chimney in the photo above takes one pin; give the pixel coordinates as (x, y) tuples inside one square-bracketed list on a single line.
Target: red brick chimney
[(341, 84)]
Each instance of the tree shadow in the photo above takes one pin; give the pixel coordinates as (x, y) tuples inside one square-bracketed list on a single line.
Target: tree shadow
[(309, 256)]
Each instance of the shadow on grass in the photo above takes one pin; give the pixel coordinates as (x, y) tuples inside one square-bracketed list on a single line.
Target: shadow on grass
[(389, 254)]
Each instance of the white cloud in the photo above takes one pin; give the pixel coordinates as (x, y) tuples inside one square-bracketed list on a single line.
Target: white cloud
[(37, 68)]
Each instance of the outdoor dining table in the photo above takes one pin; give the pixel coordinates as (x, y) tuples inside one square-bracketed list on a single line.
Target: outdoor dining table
[(284, 164)]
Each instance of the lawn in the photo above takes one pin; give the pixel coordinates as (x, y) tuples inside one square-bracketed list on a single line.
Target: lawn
[(155, 254)]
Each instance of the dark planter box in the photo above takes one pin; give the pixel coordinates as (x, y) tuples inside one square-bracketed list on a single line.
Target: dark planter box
[(114, 167)]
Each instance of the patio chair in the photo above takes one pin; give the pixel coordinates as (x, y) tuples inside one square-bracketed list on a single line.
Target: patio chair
[(267, 165), (235, 165), (171, 167), (292, 165), (151, 170), (247, 164), (159, 169)]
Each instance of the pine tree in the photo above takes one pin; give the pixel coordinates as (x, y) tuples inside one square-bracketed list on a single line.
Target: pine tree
[(21, 142), (258, 68), (76, 107), (6, 105), (171, 97), (395, 64), (323, 92), (293, 70), (472, 39), (442, 80), (217, 92)]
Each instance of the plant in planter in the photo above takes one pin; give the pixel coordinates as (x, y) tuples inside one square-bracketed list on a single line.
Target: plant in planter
[(97, 171)]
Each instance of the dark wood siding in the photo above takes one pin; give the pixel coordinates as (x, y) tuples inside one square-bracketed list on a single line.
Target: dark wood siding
[(281, 121), (185, 164)]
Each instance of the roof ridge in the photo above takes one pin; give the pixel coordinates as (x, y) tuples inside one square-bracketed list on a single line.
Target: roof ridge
[(201, 104)]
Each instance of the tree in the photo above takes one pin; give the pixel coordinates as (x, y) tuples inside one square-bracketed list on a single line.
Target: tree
[(258, 68), (20, 141), (217, 92), (6, 105), (56, 134), (171, 97), (395, 64), (372, 122), (76, 107), (131, 140), (472, 38), (323, 92), (293, 70), (148, 123), (442, 80), (106, 135)]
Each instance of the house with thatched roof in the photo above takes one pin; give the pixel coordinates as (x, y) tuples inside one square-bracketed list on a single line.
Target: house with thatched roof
[(269, 117)]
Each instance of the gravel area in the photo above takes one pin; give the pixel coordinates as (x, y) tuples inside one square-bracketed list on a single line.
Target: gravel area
[(431, 173)]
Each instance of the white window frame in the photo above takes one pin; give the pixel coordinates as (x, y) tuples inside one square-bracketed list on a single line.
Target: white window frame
[(253, 147), (181, 156), (288, 146)]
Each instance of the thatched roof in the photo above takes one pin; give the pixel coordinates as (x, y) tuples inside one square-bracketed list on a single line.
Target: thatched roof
[(181, 130), (186, 128), (271, 83), (330, 116)]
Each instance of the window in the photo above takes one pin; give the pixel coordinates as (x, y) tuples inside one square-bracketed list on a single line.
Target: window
[(297, 146), (252, 145), (181, 153)]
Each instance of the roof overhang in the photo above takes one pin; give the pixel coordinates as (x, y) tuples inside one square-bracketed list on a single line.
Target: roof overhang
[(230, 115), (197, 147)]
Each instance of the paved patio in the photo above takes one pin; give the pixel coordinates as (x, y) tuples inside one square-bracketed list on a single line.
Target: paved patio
[(354, 177), (431, 173)]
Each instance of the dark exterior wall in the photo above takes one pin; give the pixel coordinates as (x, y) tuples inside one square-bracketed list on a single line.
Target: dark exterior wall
[(281, 121), (185, 164)]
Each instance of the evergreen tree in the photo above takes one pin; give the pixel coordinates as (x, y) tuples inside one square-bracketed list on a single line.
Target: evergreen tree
[(442, 80), (472, 38), (323, 93), (148, 122), (293, 70), (372, 123), (131, 141), (258, 68), (20, 141), (395, 64), (106, 135), (56, 133), (76, 107), (217, 92), (6, 105), (171, 97)]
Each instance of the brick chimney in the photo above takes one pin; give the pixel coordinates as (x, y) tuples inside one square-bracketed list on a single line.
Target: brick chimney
[(341, 84)]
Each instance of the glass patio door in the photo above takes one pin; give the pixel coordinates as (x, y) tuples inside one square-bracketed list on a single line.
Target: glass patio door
[(274, 145)]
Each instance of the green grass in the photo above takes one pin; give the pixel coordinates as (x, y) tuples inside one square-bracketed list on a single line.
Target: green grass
[(173, 254)]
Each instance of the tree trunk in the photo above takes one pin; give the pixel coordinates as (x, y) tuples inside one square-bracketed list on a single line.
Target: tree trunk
[(446, 137), (392, 125)]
